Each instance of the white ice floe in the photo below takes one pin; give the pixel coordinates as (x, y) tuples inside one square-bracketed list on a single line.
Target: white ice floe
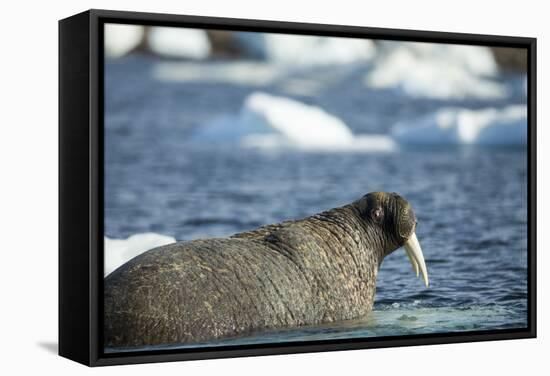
[(238, 72), (298, 122), (371, 143), (119, 251), (451, 126), (300, 50), (179, 42), (439, 71), (245, 73), (119, 39), (267, 121)]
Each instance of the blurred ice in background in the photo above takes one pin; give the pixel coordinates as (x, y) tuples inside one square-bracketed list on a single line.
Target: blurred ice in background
[(179, 43), (308, 65), (437, 70), (304, 51), (122, 39), (210, 132)]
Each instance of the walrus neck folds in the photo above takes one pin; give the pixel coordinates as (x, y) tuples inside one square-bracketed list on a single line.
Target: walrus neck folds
[(350, 222)]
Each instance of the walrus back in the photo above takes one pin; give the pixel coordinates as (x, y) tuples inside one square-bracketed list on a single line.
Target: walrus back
[(315, 270), (202, 290)]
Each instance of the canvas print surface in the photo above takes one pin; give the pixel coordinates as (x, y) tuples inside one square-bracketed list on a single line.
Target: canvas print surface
[(272, 188)]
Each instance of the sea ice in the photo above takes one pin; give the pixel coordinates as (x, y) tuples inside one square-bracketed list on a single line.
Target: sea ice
[(179, 42), (268, 122), (296, 50), (119, 39), (436, 71), (119, 251), (491, 126)]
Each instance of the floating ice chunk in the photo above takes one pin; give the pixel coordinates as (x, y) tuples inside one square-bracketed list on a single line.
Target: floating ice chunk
[(436, 71), (269, 122), (372, 143), (491, 126), (121, 39), (179, 42), (246, 73), (238, 72), (231, 128), (300, 123), (475, 59), (305, 50), (119, 251)]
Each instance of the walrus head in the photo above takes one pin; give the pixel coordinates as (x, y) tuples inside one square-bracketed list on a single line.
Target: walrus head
[(394, 222)]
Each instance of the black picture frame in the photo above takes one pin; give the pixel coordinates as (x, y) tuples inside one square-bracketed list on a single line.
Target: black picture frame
[(81, 185)]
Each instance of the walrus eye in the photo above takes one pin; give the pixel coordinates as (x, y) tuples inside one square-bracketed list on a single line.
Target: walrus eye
[(377, 214)]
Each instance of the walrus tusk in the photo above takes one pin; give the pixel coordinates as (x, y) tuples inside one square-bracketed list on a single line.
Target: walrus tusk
[(413, 263), (414, 252)]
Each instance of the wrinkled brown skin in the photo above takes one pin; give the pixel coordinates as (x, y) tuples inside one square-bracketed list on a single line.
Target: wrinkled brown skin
[(305, 272)]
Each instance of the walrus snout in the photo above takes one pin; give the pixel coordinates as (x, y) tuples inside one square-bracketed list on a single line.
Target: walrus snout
[(406, 219), (394, 215), (406, 227)]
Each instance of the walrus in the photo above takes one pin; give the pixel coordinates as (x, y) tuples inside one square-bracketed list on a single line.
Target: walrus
[(315, 270)]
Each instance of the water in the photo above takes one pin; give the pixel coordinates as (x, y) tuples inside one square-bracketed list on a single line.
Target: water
[(471, 203)]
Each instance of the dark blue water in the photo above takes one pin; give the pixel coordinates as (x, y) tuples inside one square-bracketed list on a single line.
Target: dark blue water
[(471, 202)]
